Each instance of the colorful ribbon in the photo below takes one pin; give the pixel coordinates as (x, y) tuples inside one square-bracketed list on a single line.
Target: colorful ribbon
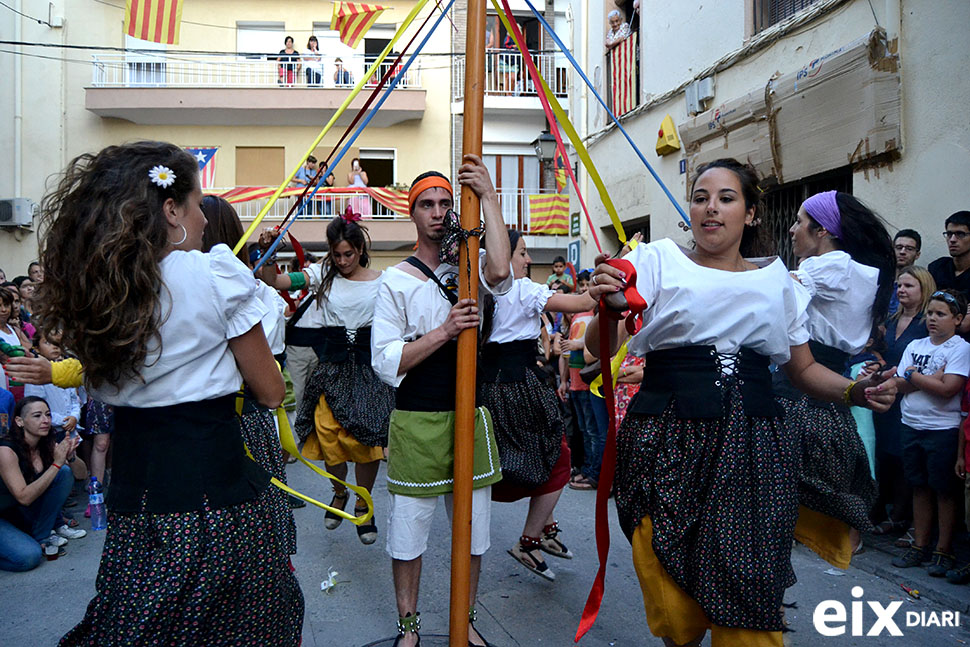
[(589, 84), (545, 96), (367, 120), (343, 107)]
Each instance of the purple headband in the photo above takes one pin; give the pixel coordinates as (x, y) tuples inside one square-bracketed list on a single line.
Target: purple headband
[(823, 208)]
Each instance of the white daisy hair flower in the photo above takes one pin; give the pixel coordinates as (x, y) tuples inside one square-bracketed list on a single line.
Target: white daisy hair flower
[(162, 176)]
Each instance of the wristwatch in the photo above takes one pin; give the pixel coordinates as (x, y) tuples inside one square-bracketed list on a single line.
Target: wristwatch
[(908, 374)]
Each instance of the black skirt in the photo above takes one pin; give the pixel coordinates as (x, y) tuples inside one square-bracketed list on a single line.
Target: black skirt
[(835, 478), (359, 400), (721, 493)]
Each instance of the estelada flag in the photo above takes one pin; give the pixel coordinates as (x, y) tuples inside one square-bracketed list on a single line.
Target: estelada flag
[(155, 20), (549, 213), (353, 19)]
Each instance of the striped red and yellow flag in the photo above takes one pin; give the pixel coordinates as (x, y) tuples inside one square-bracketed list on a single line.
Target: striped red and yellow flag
[(623, 71), (155, 20), (549, 214), (353, 19)]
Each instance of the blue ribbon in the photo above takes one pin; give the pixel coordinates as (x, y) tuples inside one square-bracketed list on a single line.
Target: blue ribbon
[(579, 70)]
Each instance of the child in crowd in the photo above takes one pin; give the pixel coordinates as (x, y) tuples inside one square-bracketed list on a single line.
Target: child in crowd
[(65, 404), (932, 376), (574, 359), (559, 276)]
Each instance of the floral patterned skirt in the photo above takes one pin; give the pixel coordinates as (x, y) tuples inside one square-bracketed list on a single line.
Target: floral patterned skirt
[(722, 497), (260, 435), (207, 577)]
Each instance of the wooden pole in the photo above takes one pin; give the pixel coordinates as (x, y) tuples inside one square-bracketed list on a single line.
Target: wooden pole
[(468, 339)]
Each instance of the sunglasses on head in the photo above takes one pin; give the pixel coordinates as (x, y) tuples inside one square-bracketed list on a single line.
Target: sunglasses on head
[(946, 296)]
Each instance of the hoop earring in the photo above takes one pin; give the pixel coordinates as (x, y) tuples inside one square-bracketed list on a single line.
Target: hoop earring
[(185, 234)]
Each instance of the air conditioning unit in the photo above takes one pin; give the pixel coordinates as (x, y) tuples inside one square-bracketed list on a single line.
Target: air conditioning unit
[(17, 212)]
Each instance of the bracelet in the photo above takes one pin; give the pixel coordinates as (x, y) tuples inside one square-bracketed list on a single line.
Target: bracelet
[(56, 466), (847, 394)]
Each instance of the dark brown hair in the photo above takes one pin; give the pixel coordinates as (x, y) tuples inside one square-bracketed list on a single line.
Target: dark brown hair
[(340, 230), (222, 226), (754, 240), (16, 434), (105, 236)]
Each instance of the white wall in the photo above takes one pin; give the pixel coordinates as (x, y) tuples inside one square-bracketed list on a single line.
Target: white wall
[(918, 191)]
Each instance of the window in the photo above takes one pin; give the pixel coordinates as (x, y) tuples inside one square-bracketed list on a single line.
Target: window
[(260, 38), (770, 12), (144, 68), (379, 164), (260, 165)]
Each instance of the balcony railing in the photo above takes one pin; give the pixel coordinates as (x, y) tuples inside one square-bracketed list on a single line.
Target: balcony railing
[(507, 76), (515, 207), (325, 207), (173, 70)]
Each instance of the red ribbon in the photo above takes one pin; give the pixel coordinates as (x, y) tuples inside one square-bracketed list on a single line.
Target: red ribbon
[(634, 321)]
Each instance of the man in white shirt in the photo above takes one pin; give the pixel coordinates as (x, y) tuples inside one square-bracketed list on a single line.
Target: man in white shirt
[(416, 318)]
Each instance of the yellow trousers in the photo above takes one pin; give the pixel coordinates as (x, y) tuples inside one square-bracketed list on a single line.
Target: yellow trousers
[(332, 444), (671, 613)]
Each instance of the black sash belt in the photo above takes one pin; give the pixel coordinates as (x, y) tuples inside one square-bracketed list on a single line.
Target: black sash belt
[(180, 458), (692, 377), (831, 358), (430, 386), (508, 361)]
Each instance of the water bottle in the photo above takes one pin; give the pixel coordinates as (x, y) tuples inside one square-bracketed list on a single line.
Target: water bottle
[(99, 517)]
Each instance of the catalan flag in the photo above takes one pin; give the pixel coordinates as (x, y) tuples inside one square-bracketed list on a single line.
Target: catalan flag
[(353, 19), (623, 76), (155, 20), (549, 213)]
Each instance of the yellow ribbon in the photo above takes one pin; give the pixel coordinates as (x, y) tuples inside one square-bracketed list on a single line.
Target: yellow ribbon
[(288, 442), (574, 137), (597, 384), (343, 107)]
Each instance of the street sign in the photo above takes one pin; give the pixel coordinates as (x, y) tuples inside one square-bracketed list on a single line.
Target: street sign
[(572, 253), (574, 224)]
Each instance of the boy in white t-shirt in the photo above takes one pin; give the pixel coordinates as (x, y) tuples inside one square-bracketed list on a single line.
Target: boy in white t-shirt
[(931, 375)]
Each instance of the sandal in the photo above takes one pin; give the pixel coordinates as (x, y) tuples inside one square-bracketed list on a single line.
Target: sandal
[(472, 617), (524, 553), (409, 623), (888, 527), (550, 542), (583, 483), (330, 520), (366, 532), (907, 539)]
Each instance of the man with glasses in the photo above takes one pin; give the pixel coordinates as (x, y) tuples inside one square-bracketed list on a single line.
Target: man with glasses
[(906, 246), (951, 273)]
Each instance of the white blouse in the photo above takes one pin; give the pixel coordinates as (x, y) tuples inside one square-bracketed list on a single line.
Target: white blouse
[(409, 307), (692, 305), (518, 312), (349, 303), (274, 323), (313, 317), (205, 300), (839, 294)]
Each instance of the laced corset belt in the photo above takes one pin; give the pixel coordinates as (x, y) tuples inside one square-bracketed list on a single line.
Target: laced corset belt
[(698, 380)]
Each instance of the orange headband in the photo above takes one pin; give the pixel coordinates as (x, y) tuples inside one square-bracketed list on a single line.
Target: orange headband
[(424, 184)]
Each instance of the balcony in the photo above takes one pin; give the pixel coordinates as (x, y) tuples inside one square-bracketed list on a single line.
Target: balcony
[(178, 89), (508, 87), (388, 229)]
